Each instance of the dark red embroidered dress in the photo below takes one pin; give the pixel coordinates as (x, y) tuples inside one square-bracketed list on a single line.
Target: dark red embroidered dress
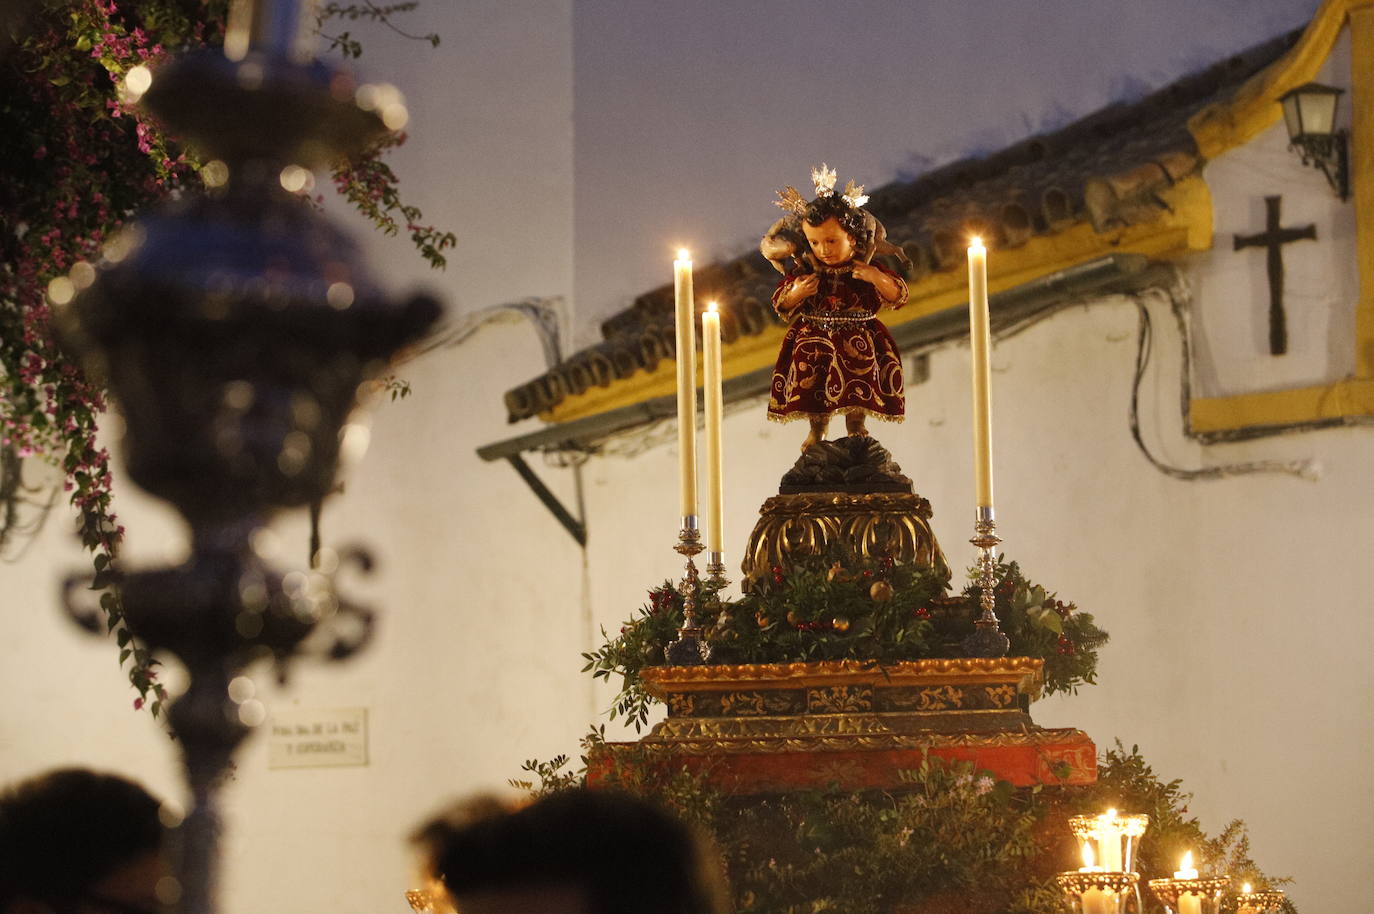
[(837, 356)]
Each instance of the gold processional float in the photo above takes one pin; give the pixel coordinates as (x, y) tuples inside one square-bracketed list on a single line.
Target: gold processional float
[(847, 724)]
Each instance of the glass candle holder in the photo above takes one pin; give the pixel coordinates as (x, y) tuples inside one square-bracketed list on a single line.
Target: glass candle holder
[(1113, 838), (1191, 896), (1100, 892), (1267, 901)]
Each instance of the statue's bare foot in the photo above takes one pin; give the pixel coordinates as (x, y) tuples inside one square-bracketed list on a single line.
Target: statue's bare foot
[(854, 425), (818, 429)]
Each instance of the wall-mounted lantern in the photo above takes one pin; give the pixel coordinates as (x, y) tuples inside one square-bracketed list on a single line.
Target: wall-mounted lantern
[(1309, 111)]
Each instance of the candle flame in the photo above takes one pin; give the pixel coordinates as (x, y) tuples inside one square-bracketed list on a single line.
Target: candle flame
[(1245, 889), (1109, 814), (684, 254), (1088, 860), (975, 242), (1187, 862), (712, 307)]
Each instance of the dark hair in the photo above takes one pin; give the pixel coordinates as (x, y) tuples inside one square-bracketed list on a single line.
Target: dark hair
[(851, 219), (63, 832), (627, 855)]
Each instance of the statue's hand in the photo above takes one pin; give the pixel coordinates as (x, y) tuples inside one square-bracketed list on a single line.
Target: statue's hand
[(798, 291), (867, 272), (889, 289)]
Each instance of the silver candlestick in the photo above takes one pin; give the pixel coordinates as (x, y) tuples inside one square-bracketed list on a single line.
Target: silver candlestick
[(987, 639), (687, 650), (715, 570)]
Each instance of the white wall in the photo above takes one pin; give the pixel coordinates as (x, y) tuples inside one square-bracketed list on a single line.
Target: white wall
[(1321, 282)]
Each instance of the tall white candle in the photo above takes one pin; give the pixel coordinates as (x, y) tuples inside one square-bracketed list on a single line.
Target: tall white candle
[(980, 342), (686, 383), (715, 411)]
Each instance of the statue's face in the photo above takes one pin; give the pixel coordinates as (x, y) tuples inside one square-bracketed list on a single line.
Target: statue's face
[(831, 244)]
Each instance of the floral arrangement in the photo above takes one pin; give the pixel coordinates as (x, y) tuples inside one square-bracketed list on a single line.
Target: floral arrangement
[(843, 607), (78, 165)]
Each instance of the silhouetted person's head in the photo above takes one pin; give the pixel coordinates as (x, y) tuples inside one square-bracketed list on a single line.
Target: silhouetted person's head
[(574, 852), (76, 842)]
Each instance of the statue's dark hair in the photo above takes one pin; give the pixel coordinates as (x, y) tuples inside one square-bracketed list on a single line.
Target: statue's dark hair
[(625, 854), (65, 831), (850, 218)]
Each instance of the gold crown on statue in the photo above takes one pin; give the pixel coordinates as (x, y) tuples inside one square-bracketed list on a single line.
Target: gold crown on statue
[(824, 178)]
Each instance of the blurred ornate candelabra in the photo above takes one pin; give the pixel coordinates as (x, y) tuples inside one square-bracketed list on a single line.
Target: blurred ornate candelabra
[(234, 329)]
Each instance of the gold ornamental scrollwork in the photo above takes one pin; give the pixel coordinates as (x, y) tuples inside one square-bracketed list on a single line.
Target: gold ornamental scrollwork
[(1024, 674), (839, 699), (754, 735), (1002, 696), (895, 524), (940, 698), (681, 704), (742, 704)]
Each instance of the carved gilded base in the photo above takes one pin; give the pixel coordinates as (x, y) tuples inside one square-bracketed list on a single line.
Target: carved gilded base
[(758, 728), (947, 694), (740, 766), (875, 524)]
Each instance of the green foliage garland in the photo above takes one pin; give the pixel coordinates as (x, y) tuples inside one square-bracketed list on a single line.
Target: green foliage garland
[(841, 607)]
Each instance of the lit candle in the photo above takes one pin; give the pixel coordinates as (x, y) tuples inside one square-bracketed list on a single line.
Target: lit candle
[(1188, 902), (1109, 841), (1095, 901), (715, 410), (1099, 901), (1245, 903), (980, 342), (686, 383)]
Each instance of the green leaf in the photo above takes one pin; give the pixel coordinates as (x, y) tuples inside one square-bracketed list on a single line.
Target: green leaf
[(1048, 618)]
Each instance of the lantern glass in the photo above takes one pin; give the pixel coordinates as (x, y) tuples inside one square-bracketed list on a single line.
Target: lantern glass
[(1292, 119), (1310, 110)]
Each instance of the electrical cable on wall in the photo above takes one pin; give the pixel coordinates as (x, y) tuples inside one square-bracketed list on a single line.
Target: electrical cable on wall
[(1144, 344)]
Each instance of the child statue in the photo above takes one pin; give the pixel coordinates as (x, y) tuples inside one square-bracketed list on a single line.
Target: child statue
[(837, 357)]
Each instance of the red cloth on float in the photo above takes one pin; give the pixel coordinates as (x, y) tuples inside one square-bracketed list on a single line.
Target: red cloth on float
[(837, 356)]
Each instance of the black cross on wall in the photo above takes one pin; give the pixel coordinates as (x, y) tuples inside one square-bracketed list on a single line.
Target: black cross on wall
[(1272, 239)]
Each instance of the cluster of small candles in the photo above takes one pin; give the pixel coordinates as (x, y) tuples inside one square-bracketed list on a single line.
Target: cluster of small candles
[(1108, 884)]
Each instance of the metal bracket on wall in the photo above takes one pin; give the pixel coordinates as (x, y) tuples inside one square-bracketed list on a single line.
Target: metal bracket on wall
[(576, 528)]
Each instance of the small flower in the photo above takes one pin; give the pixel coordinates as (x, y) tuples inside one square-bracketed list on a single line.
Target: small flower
[(983, 785), (138, 704)]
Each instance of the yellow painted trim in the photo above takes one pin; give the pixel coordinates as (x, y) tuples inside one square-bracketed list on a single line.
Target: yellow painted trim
[(1254, 107), (1351, 397), (1362, 179), (1185, 226)]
